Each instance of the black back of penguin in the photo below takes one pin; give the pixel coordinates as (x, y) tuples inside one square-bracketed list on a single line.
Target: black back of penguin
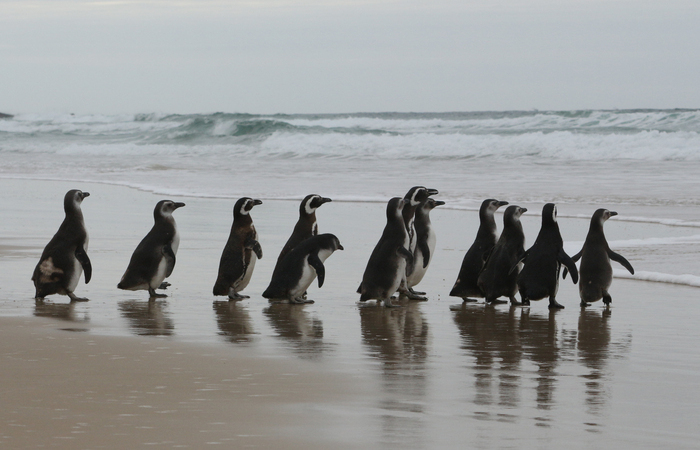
[(241, 249), (306, 226), (65, 256), (473, 262), (497, 279)]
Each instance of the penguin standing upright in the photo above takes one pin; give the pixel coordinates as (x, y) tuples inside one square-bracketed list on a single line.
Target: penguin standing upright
[(425, 241), (473, 262), (414, 197), (65, 256), (154, 258), (306, 226), (542, 262), (239, 255), (596, 271), (298, 269), (387, 263), (498, 278)]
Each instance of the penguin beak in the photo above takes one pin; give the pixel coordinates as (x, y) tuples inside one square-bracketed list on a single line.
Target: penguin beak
[(439, 203), (178, 205), (257, 202), (502, 204), (523, 210), (433, 192), (340, 247), (85, 194), (613, 213), (325, 200)]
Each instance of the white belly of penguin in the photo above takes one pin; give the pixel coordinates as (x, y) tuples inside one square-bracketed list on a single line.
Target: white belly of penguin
[(308, 274), (418, 269), (247, 275), (75, 278), (159, 277)]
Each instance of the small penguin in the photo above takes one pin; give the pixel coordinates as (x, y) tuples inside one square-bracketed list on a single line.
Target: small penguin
[(498, 278), (413, 198), (596, 271), (240, 253), (542, 262), (306, 226), (65, 257), (473, 262), (154, 258), (298, 269), (387, 263), (425, 241)]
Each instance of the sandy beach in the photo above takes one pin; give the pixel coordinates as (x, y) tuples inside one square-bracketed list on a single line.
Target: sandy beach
[(193, 370)]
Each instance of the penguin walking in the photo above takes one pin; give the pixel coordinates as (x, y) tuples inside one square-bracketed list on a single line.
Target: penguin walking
[(596, 271), (498, 278), (154, 258), (473, 262), (306, 226), (65, 256), (387, 264), (542, 262), (298, 269), (240, 253), (425, 241), (413, 198)]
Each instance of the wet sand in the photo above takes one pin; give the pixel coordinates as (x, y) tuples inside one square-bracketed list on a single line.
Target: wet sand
[(120, 371)]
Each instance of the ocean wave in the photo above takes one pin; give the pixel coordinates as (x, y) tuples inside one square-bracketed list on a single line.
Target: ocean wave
[(658, 277)]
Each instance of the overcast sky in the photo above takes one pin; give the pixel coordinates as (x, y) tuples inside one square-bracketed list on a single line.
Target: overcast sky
[(323, 56)]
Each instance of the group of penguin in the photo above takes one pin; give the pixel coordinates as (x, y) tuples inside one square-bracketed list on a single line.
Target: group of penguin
[(493, 266)]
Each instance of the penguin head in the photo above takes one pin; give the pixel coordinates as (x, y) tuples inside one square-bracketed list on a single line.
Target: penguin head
[(431, 204), (311, 203), (73, 199), (394, 208), (244, 205), (549, 214), (165, 208), (513, 213), (490, 206), (601, 215), (418, 194), (330, 241)]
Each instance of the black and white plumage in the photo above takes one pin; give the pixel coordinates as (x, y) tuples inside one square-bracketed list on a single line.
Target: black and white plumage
[(498, 278), (240, 253), (154, 258), (300, 267), (466, 285), (413, 198), (65, 256), (387, 264), (425, 241), (596, 271), (306, 226), (539, 277)]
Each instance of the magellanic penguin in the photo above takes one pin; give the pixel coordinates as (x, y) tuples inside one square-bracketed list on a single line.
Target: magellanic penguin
[(542, 262), (387, 263), (413, 198), (65, 257), (154, 258), (425, 241), (497, 279), (298, 269), (466, 285), (240, 253), (306, 226), (596, 271)]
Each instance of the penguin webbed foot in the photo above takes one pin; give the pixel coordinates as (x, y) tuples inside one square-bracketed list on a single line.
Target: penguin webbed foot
[(233, 296), (469, 300), (554, 304), (164, 285), (389, 304), (515, 302), (415, 292), (75, 298), (495, 301), (153, 294), (584, 304), (299, 301)]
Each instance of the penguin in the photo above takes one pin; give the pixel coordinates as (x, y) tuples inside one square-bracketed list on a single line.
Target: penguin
[(413, 198), (425, 241), (240, 253), (65, 256), (542, 262), (386, 267), (473, 262), (306, 226), (298, 269), (154, 258), (498, 278), (596, 271)]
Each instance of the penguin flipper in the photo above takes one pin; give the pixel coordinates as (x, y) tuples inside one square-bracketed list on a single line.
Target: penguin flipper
[(425, 250), (84, 261), (254, 245), (408, 256), (569, 265), (574, 258), (621, 259), (315, 262), (170, 255), (515, 266)]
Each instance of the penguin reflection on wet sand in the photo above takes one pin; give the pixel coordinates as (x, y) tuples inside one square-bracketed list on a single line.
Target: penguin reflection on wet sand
[(466, 285), (542, 262), (413, 198), (596, 271), (65, 257), (154, 258), (240, 252), (306, 226), (425, 241), (498, 278), (386, 267), (298, 269)]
